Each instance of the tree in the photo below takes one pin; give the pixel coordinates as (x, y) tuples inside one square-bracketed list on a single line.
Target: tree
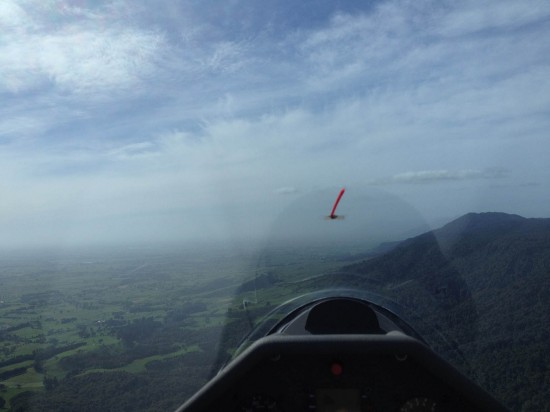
[(50, 383), (38, 366), (20, 402)]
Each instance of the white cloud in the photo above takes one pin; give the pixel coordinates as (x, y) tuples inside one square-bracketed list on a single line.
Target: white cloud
[(427, 176), (483, 16), (12, 15), (287, 190), (401, 44), (133, 150), (81, 57), (226, 56)]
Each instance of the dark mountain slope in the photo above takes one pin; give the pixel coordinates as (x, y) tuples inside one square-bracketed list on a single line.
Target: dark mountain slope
[(484, 281)]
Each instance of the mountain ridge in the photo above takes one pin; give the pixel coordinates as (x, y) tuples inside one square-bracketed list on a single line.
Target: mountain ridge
[(482, 281)]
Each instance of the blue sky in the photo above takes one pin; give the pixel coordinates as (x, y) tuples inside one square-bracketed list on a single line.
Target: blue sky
[(136, 120)]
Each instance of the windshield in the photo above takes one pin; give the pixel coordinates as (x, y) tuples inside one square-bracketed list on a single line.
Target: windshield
[(168, 173)]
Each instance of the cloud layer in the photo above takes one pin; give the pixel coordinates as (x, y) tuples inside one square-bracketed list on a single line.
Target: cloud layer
[(116, 118)]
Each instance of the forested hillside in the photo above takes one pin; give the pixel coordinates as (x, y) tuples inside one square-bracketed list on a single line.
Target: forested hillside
[(484, 280)]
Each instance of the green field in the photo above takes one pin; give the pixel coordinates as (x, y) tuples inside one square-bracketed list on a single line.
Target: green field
[(67, 318)]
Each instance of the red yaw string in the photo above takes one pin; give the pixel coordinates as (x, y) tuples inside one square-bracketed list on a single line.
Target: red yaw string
[(332, 215)]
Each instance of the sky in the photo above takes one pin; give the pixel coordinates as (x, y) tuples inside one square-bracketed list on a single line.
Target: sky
[(139, 121)]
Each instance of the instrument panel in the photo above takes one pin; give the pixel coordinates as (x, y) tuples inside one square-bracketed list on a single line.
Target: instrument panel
[(340, 383), (336, 373)]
